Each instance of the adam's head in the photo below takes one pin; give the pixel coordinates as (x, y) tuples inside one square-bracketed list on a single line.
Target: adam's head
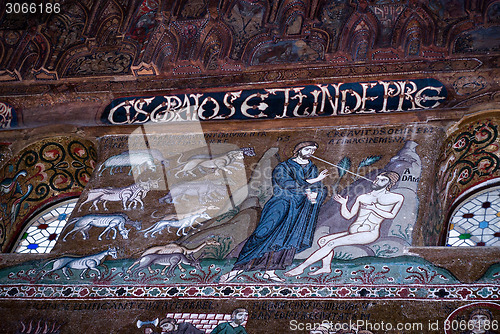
[(305, 149), (385, 180), (239, 316)]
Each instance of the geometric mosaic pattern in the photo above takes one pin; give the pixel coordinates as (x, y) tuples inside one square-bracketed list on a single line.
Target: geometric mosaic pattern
[(477, 221), (160, 293), (42, 233)]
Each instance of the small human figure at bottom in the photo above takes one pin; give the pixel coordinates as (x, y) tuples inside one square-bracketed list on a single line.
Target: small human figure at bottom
[(238, 317), (170, 326), (481, 322)]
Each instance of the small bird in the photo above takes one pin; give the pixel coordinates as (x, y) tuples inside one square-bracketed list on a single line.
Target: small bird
[(8, 184)]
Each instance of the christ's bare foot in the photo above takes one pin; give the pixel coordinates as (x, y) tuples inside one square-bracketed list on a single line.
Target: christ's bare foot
[(320, 271), (294, 272)]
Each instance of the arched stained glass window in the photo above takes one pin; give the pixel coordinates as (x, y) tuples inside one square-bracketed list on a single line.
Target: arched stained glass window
[(43, 230), (476, 222)]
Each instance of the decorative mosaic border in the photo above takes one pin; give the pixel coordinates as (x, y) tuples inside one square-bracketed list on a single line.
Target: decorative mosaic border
[(480, 292), (277, 103)]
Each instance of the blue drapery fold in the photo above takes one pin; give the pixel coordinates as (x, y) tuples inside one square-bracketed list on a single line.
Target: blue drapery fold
[(288, 219)]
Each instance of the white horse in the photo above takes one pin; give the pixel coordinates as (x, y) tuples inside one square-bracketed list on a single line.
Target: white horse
[(86, 262)]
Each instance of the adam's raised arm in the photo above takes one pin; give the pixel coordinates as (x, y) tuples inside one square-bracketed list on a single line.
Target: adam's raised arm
[(344, 211)]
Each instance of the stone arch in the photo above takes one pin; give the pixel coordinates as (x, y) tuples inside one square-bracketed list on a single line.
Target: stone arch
[(80, 60), (165, 51), (413, 22), (360, 34), (412, 43), (414, 30), (107, 30), (42, 230), (291, 16), (32, 182), (215, 46), (457, 36), (246, 20), (489, 17), (470, 156), (64, 30), (100, 12), (33, 54), (362, 40), (473, 217)]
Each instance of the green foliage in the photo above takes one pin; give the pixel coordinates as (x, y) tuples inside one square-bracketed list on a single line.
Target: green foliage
[(342, 256), (219, 252), (343, 166), (385, 251), (369, 161), (229, 214), (405, 235)]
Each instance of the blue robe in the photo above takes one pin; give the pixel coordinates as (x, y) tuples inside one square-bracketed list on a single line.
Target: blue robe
[(288, 219)]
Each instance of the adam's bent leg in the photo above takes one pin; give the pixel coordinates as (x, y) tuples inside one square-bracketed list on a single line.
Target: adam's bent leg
[(344, 239), (314, 257), (327, 238), (327, 265)]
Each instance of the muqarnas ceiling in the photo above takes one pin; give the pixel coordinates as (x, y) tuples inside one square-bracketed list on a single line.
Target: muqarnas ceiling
[(183, 37)]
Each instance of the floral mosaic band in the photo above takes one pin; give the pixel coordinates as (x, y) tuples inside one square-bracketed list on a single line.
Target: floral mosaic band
[(432, 292)]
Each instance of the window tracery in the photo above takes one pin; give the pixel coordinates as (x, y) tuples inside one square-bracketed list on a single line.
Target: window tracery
[(43, 230), (476, 221)]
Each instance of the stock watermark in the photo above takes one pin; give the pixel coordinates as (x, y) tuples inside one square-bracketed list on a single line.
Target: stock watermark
[(382, 326), (355, 325)]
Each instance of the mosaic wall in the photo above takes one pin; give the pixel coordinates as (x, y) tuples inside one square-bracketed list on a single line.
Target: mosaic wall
[(314, 230), (372, 54), (175, 192), (43, 172), (239, 230), (308, 101), (471, 158), (290, 315)]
